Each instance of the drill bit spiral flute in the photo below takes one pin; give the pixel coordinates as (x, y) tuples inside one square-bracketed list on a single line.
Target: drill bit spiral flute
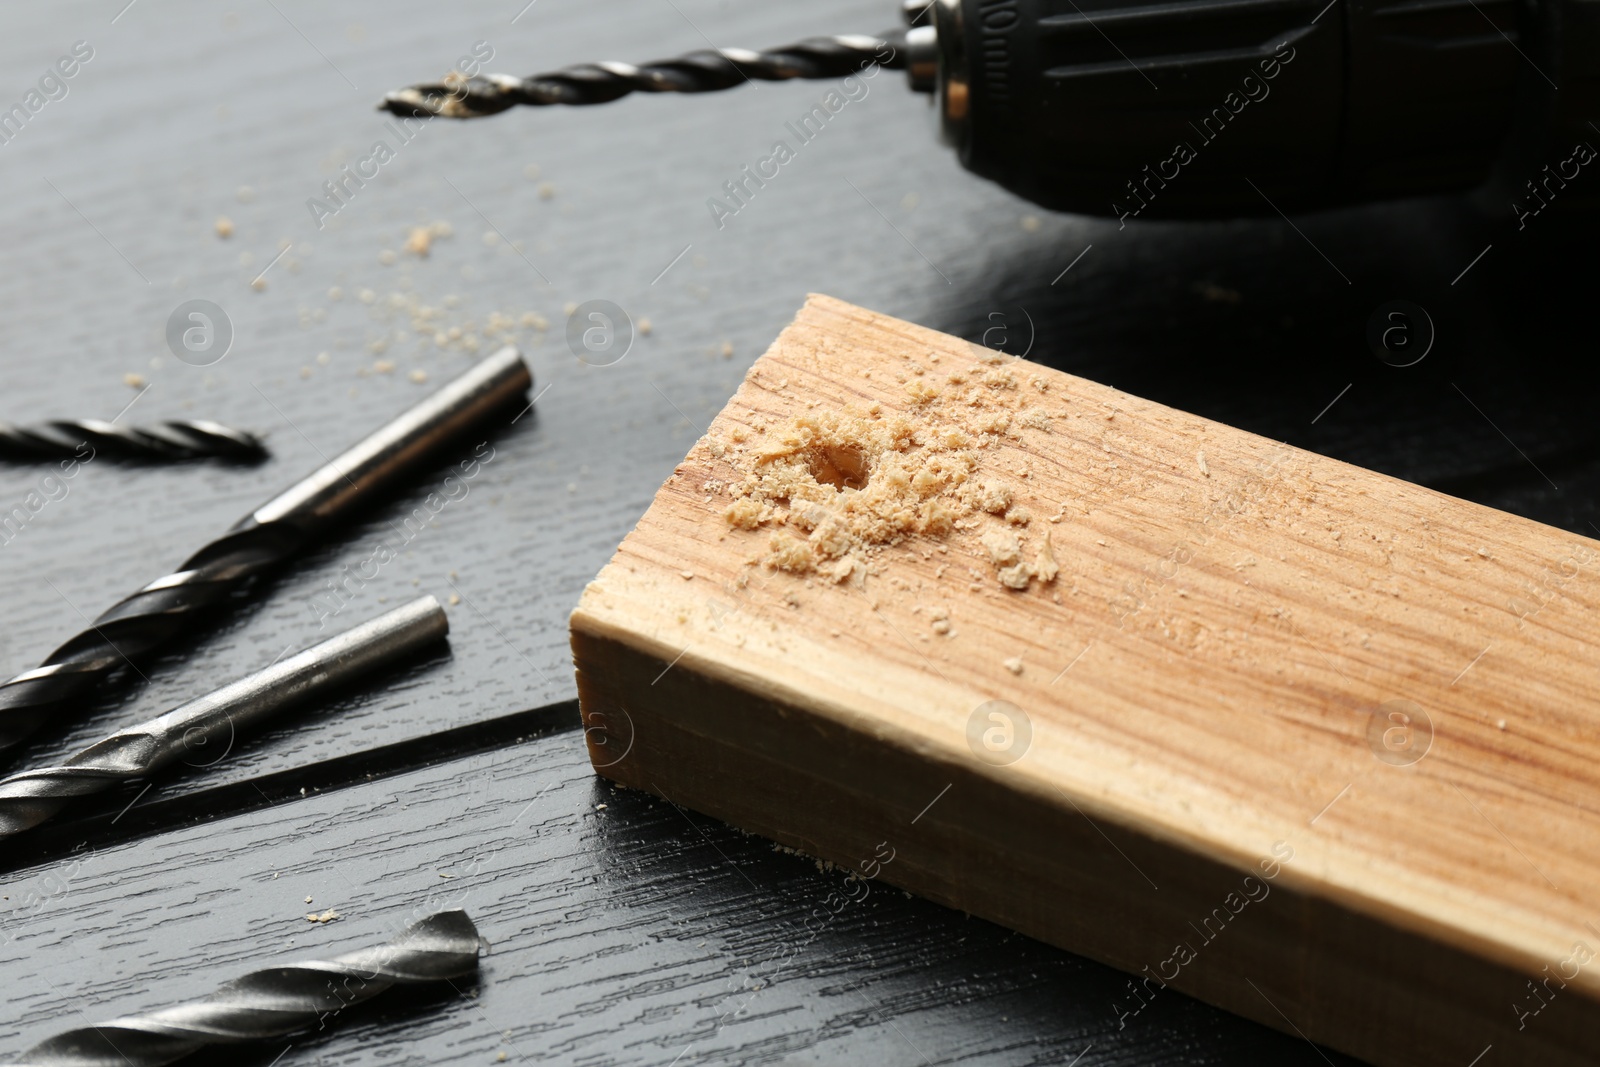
[(707, 70), (174, 439), (211, 722), (272, 1002), (266, 537)]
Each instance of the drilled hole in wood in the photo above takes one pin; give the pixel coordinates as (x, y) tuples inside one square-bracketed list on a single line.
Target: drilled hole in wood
[(841, 466)]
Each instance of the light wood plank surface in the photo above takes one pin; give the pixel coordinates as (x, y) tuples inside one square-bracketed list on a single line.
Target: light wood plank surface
[(1214, 671)]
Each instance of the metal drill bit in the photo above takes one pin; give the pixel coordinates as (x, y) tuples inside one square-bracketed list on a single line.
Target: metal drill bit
[(703, 71), (261, 540), (270, 1003), (174, 439), (211, 722)]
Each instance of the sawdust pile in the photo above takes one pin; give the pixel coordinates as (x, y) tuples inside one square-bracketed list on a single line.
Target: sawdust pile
[(832, 488)]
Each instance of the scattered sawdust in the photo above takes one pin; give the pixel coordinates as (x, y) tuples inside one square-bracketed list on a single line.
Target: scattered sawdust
[(223, 226), (325, 917), (133, 381), (1014, 664), (831, 489), (419, 242)]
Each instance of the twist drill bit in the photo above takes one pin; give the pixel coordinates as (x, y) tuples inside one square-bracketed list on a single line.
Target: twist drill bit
[(30, 797), (703, 71), (261, 540), (271, 1002), (172, 440)]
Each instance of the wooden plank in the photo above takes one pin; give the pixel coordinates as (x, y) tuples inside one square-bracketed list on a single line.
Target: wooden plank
[(1305, 741)]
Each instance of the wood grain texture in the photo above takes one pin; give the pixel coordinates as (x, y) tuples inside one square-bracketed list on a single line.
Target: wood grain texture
[(187, 102), (1254, 662)]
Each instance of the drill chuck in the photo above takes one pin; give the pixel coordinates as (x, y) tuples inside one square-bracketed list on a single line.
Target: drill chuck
[(1205, 108)]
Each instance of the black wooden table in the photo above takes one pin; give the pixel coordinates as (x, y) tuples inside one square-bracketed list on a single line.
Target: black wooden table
[(626, 931)]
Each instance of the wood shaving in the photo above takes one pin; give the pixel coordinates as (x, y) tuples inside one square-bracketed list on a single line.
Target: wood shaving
[(419, 241), (989, 496), (1046, 567), (1003, 547), (745, 514), (1017, 576)]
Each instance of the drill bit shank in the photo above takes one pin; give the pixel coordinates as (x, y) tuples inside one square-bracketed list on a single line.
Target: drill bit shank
[(209, 724), (272, 1002), (175, 439), (707, 70), (261, 540)]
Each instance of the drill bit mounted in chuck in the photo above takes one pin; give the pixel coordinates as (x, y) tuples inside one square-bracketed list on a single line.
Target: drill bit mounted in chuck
[(1035, 96), (703, 71)]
